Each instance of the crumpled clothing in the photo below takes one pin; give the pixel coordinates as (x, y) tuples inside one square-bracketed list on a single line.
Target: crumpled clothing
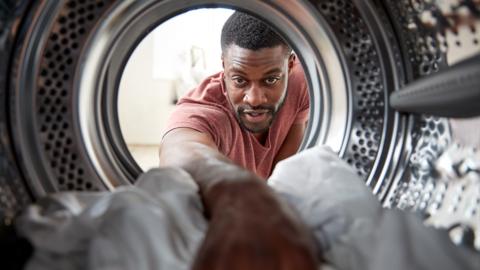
[(351, 227), (326, 191), (158, 224)]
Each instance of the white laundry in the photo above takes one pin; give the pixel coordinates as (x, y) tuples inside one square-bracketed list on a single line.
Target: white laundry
[(159, 223), (349, 224)]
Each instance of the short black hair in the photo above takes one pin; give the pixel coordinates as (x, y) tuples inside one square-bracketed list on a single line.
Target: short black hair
[(250, 33)]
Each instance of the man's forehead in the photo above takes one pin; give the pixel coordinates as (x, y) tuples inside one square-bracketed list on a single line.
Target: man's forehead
[(239, 57)]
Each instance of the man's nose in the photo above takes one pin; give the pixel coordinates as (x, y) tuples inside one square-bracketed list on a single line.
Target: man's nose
[(255, 96)]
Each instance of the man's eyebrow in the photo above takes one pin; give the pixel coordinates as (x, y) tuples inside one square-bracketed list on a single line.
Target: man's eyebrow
[(269, 72), (237, 70), (273, 70)]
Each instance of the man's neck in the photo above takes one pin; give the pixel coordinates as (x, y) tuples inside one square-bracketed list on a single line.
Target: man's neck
[(261, 137)]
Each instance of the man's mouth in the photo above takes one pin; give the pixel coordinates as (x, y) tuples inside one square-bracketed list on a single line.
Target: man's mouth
[(256, 116)]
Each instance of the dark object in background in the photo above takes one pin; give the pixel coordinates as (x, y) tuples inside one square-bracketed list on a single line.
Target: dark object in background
[(15, 250), (453, 92)]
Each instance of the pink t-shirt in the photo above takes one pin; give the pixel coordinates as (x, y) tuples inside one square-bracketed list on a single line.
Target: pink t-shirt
[(207, 109)]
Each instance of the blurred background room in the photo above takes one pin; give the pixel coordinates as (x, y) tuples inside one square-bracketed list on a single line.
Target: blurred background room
[(169, 61)]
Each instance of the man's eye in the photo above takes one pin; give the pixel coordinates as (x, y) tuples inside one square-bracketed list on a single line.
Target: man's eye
[(239, 81), (271, 80)]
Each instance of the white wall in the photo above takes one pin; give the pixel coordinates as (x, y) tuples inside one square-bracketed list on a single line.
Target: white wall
[(144, 103), (162, 68)]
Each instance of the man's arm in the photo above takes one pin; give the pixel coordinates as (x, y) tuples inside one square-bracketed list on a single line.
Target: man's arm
[(216, 175), (249, 225), (196, 153)]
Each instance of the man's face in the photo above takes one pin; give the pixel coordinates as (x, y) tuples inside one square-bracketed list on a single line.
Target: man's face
[(256, 84)]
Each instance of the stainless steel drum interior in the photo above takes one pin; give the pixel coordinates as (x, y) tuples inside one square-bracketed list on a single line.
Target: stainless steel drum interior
[(68, 57)]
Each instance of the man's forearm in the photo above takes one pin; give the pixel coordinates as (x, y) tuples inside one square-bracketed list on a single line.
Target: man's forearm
[(246, 218), (204, 164), (209, 169)]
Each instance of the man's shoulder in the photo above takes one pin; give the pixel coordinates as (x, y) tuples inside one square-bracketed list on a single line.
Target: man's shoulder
[(297, 86), (297, 79), (297, 103), (209, 92), (207, 102)]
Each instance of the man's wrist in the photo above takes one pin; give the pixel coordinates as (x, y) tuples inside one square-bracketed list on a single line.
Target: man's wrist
[(239, 194), (223, 183), (209, 172)]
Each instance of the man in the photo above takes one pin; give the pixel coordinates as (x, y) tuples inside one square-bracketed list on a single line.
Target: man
[(228, 134), (255, 111)]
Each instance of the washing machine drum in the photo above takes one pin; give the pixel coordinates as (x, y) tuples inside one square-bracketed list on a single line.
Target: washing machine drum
[(61, 63)]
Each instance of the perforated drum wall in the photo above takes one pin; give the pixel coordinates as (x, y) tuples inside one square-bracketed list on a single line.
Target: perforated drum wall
[(368, 92), (54, 99)]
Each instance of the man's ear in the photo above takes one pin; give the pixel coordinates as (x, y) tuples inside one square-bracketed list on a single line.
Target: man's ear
[(223, 63), (291, 61)]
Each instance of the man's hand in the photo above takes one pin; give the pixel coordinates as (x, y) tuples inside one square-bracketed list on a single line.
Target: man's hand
[(250, 228)]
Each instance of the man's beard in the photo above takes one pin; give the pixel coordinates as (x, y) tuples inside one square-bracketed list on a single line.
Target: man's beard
[(269, 111)]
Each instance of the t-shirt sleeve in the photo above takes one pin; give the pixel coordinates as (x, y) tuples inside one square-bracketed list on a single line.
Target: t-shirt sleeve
[(202, 118)]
